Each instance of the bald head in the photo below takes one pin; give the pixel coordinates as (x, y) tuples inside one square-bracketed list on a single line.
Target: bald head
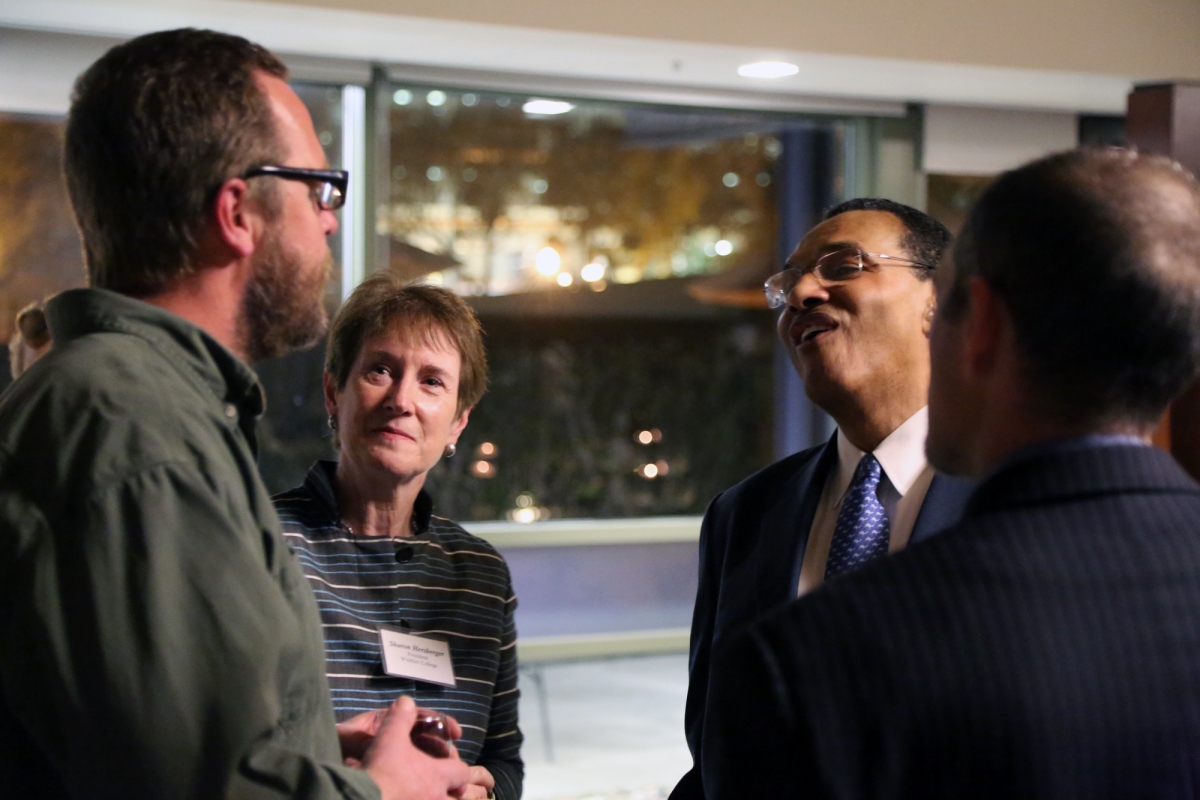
[(1095, 255)]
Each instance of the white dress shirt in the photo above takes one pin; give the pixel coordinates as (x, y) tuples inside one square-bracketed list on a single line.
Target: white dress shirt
[(902, 488)]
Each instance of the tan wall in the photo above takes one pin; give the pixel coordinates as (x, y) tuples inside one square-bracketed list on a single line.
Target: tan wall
[(1145, 39)]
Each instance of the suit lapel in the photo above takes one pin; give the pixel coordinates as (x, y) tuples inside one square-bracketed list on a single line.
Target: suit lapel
[(785, 528), (942, 507)]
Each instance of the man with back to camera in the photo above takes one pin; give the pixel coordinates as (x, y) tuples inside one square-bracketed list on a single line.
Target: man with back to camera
[(159, 639), (1049, 644), (858, 302)]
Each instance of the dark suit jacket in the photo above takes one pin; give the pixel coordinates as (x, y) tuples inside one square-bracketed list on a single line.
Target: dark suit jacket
[(751, 544), (1047, 646)]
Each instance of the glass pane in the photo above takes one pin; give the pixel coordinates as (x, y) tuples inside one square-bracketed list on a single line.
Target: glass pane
[(293, 433), (324, 104), (489, 197), (615, 254)]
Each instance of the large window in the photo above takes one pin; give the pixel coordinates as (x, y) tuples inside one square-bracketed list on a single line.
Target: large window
[(614, 254)]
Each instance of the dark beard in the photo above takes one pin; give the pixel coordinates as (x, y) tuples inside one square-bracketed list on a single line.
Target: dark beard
[(283, 308)]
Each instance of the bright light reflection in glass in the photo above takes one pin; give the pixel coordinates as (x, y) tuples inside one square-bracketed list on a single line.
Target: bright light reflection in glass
[(648, 471), (539, 105), (730, 179), (469, 99), (525, 515), (487, 449), (436, 98), (525, 500), (645, 437), (592, 272), (723, 247), (402, 97), (564, 279), (767, 69), (548, 261), (434, 173), (483, 469), (540, 186)]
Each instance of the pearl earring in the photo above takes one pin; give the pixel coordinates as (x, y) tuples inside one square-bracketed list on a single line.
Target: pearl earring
[(450, 450)]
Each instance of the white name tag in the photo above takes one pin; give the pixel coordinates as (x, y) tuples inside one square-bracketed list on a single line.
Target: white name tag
[(417, 657)]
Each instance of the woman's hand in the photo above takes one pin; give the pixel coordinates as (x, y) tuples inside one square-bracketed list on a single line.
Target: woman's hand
[(480, 785)]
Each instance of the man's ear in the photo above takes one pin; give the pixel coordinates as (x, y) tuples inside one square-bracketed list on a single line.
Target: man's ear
[(930, 311), (984, 327), (237, 219)]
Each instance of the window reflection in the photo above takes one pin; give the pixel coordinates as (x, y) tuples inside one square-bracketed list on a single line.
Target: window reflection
[(495, 194)]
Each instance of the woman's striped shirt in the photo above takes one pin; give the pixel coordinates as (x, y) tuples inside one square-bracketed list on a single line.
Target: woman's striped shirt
[(442, 582)]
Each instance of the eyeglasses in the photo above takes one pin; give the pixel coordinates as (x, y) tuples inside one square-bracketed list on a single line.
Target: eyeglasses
[(839, 266), (328, 185)]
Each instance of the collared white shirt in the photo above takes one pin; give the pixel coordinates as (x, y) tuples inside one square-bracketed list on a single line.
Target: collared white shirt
[(902, 488)]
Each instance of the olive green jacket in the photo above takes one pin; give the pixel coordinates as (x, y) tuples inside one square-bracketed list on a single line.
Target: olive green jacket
[(157, 637)]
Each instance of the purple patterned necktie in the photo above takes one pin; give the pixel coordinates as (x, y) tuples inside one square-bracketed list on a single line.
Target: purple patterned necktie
[(862, 531)]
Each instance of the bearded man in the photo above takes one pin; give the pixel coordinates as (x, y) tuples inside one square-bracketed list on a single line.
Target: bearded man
[(159, 638)]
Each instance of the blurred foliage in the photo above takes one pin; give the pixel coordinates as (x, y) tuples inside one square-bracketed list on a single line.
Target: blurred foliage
[(567, 400), (653, 187)]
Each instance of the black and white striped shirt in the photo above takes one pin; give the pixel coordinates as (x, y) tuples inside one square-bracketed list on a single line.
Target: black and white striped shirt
[(442, 582)]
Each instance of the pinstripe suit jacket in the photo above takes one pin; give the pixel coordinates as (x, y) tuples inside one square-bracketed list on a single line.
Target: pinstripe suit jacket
[(751, 544), (1046, 646)]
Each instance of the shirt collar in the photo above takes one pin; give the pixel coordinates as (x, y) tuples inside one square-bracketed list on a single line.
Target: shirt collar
[(201, 358), (322, 477), (901, 455)]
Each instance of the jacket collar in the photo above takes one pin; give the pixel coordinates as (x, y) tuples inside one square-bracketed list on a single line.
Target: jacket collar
[(320, 481), (785, 528), (1079, 472)]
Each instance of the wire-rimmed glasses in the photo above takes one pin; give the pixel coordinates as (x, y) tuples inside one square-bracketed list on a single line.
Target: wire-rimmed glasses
[(837, 266)]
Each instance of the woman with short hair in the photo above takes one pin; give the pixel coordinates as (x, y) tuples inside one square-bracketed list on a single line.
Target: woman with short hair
[(405, 365)]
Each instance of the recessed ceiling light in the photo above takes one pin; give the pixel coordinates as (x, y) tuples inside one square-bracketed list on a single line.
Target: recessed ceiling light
[(540, 106), (767, 69)]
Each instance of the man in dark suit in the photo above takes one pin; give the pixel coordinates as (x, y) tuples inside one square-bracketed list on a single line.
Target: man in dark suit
[(1048, 645), (857, 300)]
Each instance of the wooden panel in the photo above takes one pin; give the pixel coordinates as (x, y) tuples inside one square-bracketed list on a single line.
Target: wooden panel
[(1148, 119), (1185, 126), (1165, 119)]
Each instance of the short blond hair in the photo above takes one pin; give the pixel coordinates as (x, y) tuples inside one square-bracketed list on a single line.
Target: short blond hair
[(386, 303)]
